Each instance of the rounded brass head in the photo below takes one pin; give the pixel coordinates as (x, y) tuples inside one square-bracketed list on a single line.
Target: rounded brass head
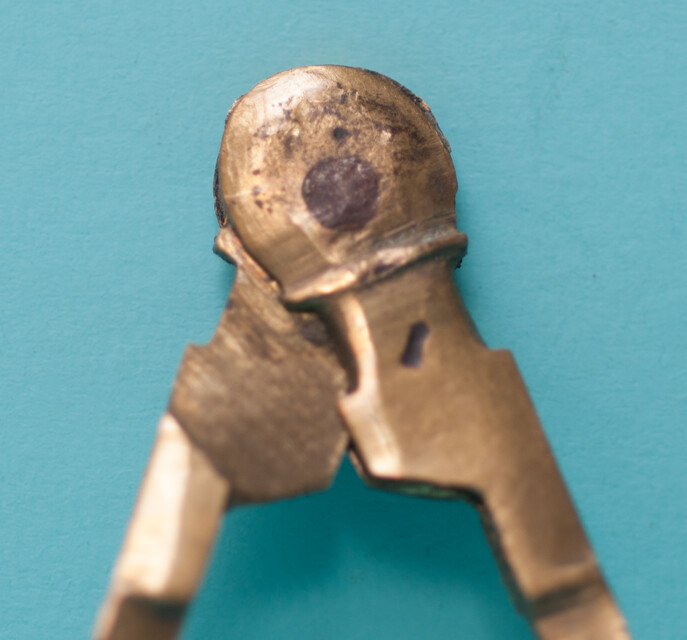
[(333, 177)]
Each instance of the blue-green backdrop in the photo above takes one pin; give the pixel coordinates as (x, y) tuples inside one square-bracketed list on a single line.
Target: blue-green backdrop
[(568, 128)]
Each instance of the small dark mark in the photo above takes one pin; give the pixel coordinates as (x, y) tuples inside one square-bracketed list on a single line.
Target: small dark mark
[(412, 354), (256, 172), (342, 193), (219, 211), (340, 133), (259, 203), (342, 99), (256, 191), (290, 142), (389, 109), (339, 85), (287, 114)]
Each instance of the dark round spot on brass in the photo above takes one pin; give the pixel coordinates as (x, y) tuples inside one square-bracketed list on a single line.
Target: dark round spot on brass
[(339, 133), (342, 193)]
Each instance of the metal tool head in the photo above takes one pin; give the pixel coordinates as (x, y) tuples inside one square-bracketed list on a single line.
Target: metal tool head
[(334, 176), (329, 179)]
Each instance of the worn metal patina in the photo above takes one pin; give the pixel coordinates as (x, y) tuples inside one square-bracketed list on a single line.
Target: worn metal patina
[(335, 195)]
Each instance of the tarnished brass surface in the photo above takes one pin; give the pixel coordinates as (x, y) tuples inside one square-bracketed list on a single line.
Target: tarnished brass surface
[(255, 411), (340, 184), (335, 194), (260, 398), (334, 176), (456, 418)]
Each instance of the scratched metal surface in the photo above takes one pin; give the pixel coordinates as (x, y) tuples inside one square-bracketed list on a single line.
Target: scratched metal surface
[(568, 134)]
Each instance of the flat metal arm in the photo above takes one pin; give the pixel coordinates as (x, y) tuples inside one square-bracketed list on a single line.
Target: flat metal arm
[(436, 412), (168, 542), (252, 418)]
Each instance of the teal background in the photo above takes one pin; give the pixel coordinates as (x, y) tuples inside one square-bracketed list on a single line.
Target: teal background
[(568, 128)]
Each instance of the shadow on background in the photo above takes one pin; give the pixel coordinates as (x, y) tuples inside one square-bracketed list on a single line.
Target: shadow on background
[(354, 563)]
